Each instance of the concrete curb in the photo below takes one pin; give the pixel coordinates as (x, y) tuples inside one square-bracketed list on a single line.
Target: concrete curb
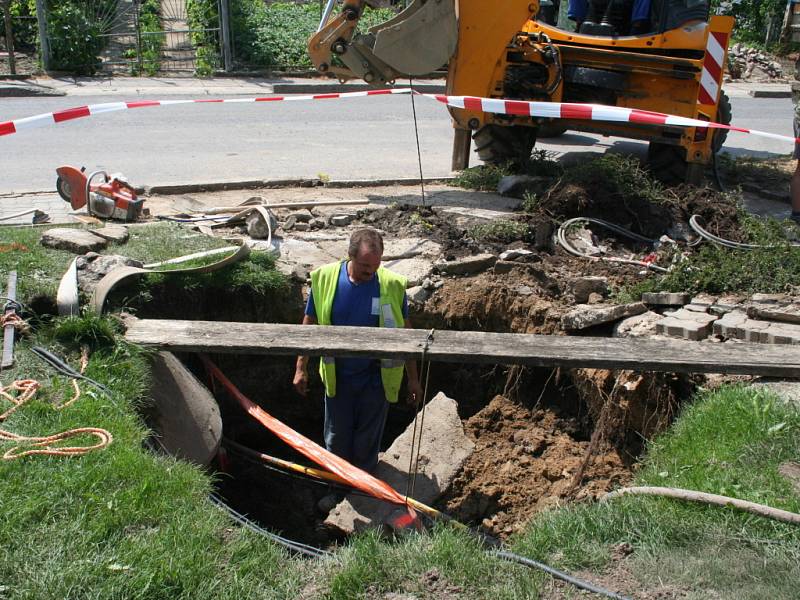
[(11, 89), (194, 188), (334, 88), (771, 93)]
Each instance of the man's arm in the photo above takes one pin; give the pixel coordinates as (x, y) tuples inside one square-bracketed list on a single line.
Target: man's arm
[(301, 368), (415, 392)]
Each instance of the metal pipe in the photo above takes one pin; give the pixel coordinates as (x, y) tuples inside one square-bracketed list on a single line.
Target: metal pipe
[(326, 14)]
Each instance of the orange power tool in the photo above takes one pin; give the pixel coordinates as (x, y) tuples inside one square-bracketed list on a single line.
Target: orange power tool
[(111, 198)]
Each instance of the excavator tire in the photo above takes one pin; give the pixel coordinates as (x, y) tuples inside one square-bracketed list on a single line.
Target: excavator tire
[(552, 129), (668, 163), (498, 144)]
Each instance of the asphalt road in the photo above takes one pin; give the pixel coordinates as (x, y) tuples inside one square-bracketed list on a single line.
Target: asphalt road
[(358, 138)]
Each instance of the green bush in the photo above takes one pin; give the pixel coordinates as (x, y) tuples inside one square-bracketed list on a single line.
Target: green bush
[(752, 17), (75, 34), (203, 16), (150, 23), (24, 24)]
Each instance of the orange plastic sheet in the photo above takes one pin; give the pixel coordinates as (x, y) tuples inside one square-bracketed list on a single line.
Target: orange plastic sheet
[(353, 475)]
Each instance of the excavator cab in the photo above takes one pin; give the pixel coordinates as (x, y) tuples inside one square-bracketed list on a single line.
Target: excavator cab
[(649, 56)]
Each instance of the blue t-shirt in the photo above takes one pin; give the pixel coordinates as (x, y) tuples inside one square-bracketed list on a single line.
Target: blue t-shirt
[(356, 305)]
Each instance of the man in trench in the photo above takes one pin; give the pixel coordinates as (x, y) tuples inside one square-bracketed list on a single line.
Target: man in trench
[(358, 292)]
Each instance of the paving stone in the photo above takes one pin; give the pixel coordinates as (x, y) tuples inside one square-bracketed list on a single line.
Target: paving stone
[(686, 324), (443, 451), (467, 265), (79, 241), (643, 325), (341, 220), (415, 270), (584, 316), (737, 325), (582, 287), (706, 300), (698, 308), (731, 325), (768, 298), (665, 298), (417, 294), (726, 304)]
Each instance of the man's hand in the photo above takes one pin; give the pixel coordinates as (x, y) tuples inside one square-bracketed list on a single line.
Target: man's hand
[(415, 392), (301, 382)]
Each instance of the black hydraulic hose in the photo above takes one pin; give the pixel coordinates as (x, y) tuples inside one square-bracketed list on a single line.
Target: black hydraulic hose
[(291, 544), (63, 368), (715, 170), (578, 583)]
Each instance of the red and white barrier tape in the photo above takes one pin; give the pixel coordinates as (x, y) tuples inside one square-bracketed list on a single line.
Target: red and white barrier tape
[(551, 110)]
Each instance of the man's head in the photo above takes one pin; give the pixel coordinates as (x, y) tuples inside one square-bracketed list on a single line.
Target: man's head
[(365, 252)]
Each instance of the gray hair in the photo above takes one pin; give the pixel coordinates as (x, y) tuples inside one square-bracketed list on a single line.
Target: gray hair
[(365, 237)]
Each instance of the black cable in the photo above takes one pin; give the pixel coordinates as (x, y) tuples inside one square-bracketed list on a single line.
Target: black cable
[(15, 304), (291, 544), (416, 134), (534, 564), (715, 170), (63, 368)]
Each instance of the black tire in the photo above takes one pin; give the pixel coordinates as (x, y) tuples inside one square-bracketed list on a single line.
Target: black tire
[(667, 163), (498, 144), (552, 129), (724, 116)]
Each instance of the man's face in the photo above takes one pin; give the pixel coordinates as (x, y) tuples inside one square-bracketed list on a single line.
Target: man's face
[(364, 265)]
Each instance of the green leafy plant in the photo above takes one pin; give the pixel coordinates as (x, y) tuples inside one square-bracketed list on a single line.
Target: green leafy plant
[(75, 35), (152, 36), (499, 231)]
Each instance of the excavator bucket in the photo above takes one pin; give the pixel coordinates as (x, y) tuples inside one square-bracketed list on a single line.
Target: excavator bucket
[(420, 39)]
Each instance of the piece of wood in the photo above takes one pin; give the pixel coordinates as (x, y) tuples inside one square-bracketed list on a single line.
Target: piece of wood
[(467, 347), (9, 331)]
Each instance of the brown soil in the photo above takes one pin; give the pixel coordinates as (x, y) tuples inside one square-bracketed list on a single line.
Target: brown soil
[(523, 462)]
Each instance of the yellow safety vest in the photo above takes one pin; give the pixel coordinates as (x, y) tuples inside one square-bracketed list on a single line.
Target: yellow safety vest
[(392, 291)]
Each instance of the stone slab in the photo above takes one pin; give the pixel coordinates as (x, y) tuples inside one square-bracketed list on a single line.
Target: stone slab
[(583, 287), (113, 233), (467, 265), (643, 325), (737, 325), (416, 270), (78, 241), (584, 316), (410, 248), (443, 452), (789, 313), (665, 298)]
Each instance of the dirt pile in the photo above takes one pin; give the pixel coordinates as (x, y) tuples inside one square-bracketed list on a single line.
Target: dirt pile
[(523, 462)]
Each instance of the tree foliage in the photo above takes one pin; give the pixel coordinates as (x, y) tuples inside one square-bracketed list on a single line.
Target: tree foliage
[(752, 17)]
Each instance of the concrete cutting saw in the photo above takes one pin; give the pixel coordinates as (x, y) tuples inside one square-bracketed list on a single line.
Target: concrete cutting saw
[(105, 196)]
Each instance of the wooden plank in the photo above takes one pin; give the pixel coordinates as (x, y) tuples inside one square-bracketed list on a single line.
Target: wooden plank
[(467, 347), (8, 331)]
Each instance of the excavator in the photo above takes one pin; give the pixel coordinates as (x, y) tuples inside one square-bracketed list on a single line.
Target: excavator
[(654, 56)]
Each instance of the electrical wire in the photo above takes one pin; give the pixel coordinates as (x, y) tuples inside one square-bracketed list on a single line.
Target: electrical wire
[(707, 235), (63, 368), (561, 238), (299, 547), (416, 134)]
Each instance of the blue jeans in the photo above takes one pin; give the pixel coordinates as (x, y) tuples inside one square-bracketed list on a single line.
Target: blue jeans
[(354, 422)]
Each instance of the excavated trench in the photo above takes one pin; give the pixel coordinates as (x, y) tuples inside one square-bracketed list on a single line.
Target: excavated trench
[(533, 428)]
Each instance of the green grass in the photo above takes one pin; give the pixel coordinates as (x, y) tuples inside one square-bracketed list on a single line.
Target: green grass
[(728, 442), (503, 231)]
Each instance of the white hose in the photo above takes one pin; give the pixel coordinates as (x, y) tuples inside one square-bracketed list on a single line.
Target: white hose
[(707, 235)]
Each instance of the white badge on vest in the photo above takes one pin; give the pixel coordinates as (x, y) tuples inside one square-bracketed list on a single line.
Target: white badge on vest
[(376, 307)]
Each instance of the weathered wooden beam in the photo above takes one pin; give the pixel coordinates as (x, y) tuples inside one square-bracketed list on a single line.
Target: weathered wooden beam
[(467, 347), (8, 331)]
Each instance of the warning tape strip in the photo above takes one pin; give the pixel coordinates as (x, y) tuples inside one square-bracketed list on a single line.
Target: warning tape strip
[(550, 110)]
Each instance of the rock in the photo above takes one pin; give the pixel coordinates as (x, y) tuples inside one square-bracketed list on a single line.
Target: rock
[(301, 216), (515, 254), (417, 294), (584, 316), (443, 452), (517, 186), (301, 226), (341, 220), (113, 233), (317, 223), (582, 287), (79, 241), (92, 267), (698, 308), (726, 304), (415, 270), (525, 290), (769, 298), (643, 325), (467, 265), (257, 225), (289, 223), (428, 284), (665, 298), (594, 298), (543, 236), (438, 284)]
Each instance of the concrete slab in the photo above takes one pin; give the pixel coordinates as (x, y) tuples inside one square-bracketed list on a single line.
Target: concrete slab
[(643, 325), (584, 316), (467, 265), (443, 452), (416, 270), (79, 241)]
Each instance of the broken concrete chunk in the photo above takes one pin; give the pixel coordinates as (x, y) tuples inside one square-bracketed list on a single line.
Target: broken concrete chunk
[(113, 233), (703, 300), (301, 216), (768, 298), (415, 270), (417, 294), (516, 186), (92, 267), (443, 451), (515, 254), (289, 223), (784, 313), (341, 220), (427, 283), (582, 287), (317, 223), (79, 241), (698, 308), (643, 325), (467, 265), (299, 226), (687, 325), (665, 298), (257, 226), (584, 316)]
